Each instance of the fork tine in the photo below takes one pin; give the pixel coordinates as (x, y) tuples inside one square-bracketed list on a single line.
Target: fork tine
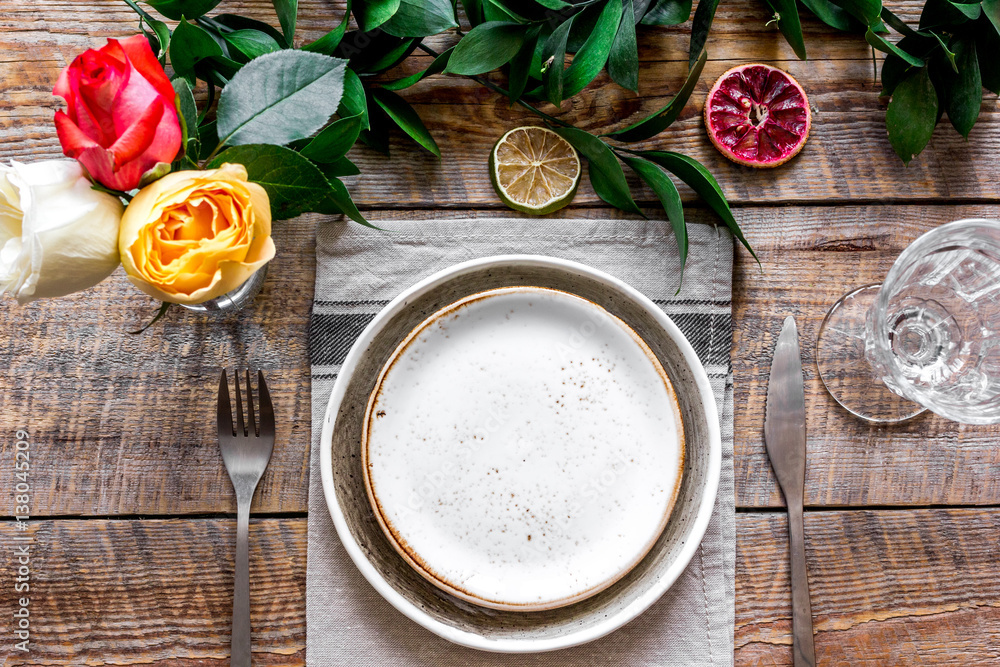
[(225, 409), (240, 427), (253, 424), (264, 404)]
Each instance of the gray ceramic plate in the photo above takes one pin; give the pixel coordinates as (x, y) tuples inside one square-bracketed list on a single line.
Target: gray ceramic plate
[(458, 620)]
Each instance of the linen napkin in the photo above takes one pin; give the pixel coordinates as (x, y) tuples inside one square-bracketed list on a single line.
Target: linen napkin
[(358, 270)]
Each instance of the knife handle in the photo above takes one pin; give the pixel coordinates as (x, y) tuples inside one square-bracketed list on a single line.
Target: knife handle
[(802, 627)]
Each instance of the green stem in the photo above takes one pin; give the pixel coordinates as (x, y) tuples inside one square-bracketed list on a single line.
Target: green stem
[(497, 89), (215, 151), (208, 106), (117, 193)]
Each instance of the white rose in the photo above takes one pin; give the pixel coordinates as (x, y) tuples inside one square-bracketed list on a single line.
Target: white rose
[(57, 234)]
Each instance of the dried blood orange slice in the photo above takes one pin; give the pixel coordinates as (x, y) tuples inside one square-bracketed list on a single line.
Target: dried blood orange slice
[(757, 115)]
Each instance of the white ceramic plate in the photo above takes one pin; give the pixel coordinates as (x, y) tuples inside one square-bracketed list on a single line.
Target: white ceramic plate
[(449, 615), (523, 448)]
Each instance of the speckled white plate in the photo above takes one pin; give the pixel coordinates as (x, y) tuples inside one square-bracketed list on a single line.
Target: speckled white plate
[(442, 610), (523, 448)]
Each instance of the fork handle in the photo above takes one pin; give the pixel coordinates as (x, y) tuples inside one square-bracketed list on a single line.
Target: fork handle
[(241, 589)]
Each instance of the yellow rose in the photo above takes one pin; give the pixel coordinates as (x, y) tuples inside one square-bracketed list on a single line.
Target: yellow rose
[(195, 235)]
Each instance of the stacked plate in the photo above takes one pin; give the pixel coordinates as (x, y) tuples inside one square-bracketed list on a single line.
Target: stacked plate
[(521, 453)]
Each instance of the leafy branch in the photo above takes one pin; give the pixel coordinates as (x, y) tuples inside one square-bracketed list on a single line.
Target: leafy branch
[(291, 115), (941, 66)]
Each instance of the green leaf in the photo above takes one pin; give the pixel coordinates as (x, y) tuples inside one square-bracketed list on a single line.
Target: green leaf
[(189, 45), (703, 183), (895, 68), (832, 15), (987, 46), (374, 52), (948, 53), (943, 14), (786, 14), (662, 119), (293, 184), (965, 92), (554, 62), (159, 28), (373, 13), (280, 97), (236, 22), (436, 67), (704, 14), (880, 43), (328, 43), (520, 65), (991, 10), (421, 18), (555, 5), (189, 116), (912, 114), (867, 11), (623, 61), (406, 118), (163, 311), (486, 47), (474, 11), (972, 10), (354, 100), (590, 59), (209, 139), (667, 193), (668, 12), (898, 24), (342, 167), (190, 9), (338, 200), (377, 136), (606, 173), (584, 25), (334, 141), (251, 43), (286, 11)]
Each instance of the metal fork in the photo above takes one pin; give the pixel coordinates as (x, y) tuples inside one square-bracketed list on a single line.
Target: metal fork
[(246, 452)]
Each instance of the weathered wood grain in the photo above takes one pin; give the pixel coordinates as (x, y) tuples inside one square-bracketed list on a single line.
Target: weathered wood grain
[(910, 587), (155, 592), (848, 155), (888, 588), (124, 424)]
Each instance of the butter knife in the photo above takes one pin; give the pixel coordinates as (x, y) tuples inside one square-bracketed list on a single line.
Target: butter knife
[(785, 438)]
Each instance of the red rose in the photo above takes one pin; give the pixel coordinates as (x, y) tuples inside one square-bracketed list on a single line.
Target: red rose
[(120, 117)]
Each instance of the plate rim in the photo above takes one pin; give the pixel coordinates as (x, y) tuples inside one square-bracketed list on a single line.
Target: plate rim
[(574, 637)]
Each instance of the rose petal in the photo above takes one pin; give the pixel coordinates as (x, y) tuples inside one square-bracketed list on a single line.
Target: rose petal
[(136, 139)]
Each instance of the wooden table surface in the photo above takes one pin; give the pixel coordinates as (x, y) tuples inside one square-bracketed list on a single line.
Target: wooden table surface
[(133, 523)]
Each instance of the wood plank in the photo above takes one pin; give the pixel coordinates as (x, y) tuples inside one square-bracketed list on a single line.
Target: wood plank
[(888, 587), (155, 592), (124, 424), (848, 155), (810, 258)]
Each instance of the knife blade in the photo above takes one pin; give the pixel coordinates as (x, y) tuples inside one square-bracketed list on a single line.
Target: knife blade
[(785, 439)]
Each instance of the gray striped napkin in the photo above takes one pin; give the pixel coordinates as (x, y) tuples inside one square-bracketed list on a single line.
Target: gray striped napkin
[(359, 270)]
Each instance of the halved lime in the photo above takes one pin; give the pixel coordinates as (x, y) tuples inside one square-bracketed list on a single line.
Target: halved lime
[(534, 170)]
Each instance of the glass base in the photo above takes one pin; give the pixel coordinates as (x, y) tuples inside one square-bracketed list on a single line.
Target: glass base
[(846, 373), (230, 302)]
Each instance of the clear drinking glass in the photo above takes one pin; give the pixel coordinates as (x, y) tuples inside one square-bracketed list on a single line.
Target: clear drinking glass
[(928, 337)]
